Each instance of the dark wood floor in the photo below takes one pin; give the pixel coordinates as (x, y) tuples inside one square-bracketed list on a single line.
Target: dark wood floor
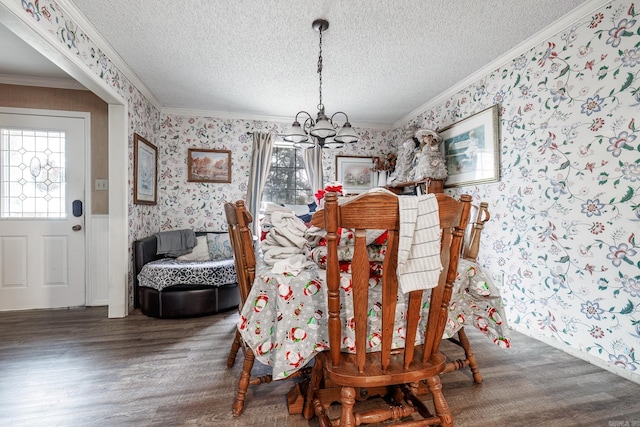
[(78, 368)]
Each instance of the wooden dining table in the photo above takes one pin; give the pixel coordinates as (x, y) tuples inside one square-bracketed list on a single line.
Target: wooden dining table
[(284, 319)]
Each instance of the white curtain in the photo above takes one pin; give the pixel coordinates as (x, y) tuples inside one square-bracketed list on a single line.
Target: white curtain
[(313, 166), (260, 165)]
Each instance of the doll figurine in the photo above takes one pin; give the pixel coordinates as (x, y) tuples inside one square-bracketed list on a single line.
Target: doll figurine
[(430, 161), (404, 163)]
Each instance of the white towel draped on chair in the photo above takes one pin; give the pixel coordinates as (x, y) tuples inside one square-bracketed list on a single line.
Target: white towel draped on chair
[(419, 264)]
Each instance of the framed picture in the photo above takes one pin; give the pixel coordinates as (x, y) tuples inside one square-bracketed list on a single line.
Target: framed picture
[(356, 174), (209, 165), (145, 171), (472, 149)]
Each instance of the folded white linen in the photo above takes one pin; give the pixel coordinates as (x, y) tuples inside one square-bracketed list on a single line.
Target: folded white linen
[(419, 264), (272, 254), (286, 237), (275, 237), (270, 208), (289, 226), (313, 235), (292, 265), (265, 221)]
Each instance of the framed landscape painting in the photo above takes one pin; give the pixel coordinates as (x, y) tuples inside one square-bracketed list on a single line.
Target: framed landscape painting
[(209, 165), (145, 171), (472, 149), (356, 174)]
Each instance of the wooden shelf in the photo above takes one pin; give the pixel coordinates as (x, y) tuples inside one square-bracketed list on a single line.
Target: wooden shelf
[(426, 186)]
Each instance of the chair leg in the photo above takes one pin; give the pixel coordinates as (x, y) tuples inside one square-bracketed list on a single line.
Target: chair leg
[(234, 350), (466, 345), (312, 391), (243, 382), (321, 413), (442, 408), (347, 399)]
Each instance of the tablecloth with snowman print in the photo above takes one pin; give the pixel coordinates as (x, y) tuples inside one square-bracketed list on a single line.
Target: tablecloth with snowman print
[(284, 319)]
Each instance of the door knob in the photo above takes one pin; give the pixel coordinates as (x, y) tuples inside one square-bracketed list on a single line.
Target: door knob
[(76, 227)]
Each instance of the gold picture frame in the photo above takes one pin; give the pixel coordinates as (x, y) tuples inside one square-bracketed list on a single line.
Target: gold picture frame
[(209, 165)]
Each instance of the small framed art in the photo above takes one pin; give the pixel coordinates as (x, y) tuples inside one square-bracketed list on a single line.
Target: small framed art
[(356, 174), (472, 149), (145, 171), (209, 165)]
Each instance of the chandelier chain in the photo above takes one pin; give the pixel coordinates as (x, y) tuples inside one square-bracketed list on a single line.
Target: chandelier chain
[(320, 105), (323, 131)]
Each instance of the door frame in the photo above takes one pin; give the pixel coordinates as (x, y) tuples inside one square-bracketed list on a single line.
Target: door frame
[(24, 26)]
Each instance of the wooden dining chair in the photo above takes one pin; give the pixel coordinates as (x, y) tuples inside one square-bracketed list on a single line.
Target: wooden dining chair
[(471, 242), (470, 248), (399, 372), (238, 222), (232, 212)]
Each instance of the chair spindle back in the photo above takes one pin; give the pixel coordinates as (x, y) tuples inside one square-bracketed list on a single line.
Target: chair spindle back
[(380, 211), (238, 221)]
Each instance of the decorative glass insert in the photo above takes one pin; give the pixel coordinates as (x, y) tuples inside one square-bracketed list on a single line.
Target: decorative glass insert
[(32, 173)]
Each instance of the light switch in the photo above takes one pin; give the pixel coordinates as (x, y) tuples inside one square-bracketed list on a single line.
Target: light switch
[(102, 184)]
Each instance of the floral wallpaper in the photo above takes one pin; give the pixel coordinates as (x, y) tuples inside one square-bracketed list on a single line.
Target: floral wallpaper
[(562, 241), (144, 118), (200, 206)]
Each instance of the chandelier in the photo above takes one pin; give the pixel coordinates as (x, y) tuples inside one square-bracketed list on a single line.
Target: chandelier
[(323, 128)]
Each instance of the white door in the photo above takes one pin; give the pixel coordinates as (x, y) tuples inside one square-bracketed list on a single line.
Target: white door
[(42, 243)]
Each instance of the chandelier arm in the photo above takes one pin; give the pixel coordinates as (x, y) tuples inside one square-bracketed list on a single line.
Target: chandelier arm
[(308, 121), (308, 124), (339, 112), (304, 112)]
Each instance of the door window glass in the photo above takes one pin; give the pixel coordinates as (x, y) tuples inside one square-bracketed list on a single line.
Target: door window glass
[(32, 173)]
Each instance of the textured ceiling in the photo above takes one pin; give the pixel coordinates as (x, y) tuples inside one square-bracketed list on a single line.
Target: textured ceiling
[(22, 59), (382, 59)]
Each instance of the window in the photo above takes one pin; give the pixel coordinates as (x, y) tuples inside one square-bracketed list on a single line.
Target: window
[(32, 173), (288, 182)]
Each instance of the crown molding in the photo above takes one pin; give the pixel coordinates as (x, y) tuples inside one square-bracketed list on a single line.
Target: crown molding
[(369, 125), (541, 36), (41, 82), (190, 112), (287, 120), (94, 35)]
